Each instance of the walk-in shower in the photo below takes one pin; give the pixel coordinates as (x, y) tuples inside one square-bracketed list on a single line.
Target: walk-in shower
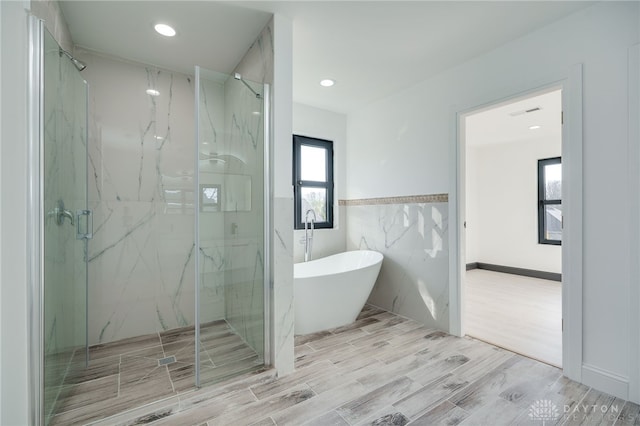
[(86, 368)]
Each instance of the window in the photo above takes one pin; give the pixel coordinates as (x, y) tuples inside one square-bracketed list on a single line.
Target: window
[(550, 201), (313, 180), (209, 198)]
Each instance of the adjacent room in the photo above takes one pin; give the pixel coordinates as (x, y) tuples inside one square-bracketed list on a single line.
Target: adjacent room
[(513, 226)]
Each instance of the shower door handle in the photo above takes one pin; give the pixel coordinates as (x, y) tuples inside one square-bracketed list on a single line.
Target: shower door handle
[(59, 213), (88, 234), (62, 214)]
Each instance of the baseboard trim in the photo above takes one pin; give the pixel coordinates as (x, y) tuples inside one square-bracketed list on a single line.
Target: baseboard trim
[(471, 266), (605, 381), (515, 271)]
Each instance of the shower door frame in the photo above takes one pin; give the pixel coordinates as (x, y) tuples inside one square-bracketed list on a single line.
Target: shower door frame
[(35, 228)]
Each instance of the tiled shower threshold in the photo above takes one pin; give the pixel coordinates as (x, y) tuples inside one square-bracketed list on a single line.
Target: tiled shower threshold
[(150, 369)]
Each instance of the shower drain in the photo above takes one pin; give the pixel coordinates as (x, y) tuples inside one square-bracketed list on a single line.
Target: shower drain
[(167, 360)]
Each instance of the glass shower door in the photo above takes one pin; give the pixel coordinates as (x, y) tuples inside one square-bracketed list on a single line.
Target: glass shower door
[(230, 217), (66, 224)]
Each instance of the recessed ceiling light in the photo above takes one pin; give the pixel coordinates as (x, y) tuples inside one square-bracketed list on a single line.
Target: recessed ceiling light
[(158, 137), (536, 127), (327, 82), (152, 92), (165, 30)]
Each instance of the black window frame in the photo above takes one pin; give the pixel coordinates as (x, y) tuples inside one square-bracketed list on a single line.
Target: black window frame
[(543, 201), (298, 183)]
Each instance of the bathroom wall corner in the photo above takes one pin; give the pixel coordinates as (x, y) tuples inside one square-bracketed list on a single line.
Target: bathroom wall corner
[(49, 11), (282, 197)]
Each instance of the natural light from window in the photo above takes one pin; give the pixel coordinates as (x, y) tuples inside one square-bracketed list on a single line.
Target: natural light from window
[(314, 166)]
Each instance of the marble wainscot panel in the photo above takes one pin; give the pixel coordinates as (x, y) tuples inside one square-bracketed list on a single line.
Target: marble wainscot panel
[(412, 233), (141, 151), (282, 284)]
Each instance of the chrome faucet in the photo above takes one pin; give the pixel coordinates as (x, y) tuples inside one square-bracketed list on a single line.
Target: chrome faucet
[(308, 238)]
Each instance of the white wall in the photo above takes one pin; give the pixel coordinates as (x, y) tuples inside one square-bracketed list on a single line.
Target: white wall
[(323, 124), (13, 158), (402, 145), (501, 208)]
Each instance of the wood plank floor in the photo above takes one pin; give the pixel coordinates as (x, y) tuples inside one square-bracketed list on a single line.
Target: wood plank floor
[(518, 313), (389, 370)]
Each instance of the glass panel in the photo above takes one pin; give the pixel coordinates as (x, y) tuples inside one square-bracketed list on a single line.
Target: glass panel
[(230, 226), (313, 163), (553, 222), (553, 181), (314, 199), (65, 269)]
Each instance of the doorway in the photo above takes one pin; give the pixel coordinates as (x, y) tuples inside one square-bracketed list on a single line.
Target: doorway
[(511, 272)]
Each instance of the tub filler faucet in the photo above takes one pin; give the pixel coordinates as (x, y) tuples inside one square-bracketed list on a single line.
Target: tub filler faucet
[(308, 236)]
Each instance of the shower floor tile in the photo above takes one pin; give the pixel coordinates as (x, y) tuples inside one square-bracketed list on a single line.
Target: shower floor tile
[(128, 374)]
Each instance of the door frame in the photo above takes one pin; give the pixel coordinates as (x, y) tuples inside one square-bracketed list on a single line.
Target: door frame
[(571, 85), (634, 231)]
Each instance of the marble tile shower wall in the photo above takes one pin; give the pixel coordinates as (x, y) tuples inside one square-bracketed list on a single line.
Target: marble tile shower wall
[(244, 297), (413, 235), (141, 151), (141, 171)]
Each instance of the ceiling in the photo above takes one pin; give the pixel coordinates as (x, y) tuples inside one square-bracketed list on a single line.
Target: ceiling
[(511, 123), (370, 48), (211, 34)]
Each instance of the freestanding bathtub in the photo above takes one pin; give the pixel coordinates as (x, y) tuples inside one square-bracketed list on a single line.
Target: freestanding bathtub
[(330, 292)]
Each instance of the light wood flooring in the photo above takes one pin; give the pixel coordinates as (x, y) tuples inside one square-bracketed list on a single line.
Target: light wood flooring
[(518, 313), (126, 374), (389, 370)]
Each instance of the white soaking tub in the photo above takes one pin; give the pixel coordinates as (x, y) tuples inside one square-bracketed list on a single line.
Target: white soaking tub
[(330, 292)]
